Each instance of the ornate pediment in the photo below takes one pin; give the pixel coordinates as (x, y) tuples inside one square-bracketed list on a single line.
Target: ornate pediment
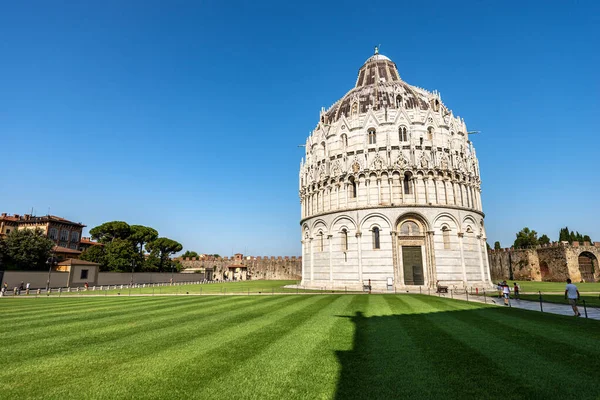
[(401, 162), (377, 164)]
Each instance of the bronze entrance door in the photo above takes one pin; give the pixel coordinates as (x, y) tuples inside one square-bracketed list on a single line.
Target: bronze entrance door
[(412, 262)]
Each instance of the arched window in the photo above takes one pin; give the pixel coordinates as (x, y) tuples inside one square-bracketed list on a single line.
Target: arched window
[(376, 244), (352, 188), (372, 136), (344, 140), (354, 108), (407, 178), (430, 133), (446, 237), (344, 240), (398, 101), (321, 241), (403, 134)]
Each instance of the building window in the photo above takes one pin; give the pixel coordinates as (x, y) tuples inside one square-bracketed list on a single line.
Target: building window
[(403, 134), (321, 241), (73, 246), (53, 233), (344, 140), (64, 235), (376, 244), (344, 240), (74, 236), (84, 274), (7, 231), (430, 133), (407, 178), (446, 237), (398, 101), (372, 136)]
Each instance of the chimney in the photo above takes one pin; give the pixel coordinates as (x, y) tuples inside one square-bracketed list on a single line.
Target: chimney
[(27, 217), (4, 214), (17, 216)]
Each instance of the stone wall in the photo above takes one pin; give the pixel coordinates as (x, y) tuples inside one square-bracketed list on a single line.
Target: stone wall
[(554, 262), (248, 267), (38, 279)]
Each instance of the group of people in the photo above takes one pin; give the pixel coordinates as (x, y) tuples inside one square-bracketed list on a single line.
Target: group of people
[(571, 294), (504, 291), (17, 289)]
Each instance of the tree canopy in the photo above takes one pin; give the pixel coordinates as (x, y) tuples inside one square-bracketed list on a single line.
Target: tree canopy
[(497, 245), (161, 250), (109, 231), (26, 249), (125, 245), (564, 235), (544, 239), (189, 254), (526, 238)]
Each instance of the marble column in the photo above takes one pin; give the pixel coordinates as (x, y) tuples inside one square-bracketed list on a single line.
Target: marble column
[(462, 258)]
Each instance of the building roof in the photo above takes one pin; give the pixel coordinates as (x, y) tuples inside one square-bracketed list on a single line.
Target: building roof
[(73, 261), (379, 86), (60, 249), (28, 218), (85, 240)]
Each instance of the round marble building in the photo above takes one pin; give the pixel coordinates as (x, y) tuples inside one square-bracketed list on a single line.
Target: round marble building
[(390, 190)]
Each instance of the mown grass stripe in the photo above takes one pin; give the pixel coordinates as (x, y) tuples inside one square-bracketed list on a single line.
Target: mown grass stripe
[(203, 355), (280, 359), (95, 316), (128, 342)]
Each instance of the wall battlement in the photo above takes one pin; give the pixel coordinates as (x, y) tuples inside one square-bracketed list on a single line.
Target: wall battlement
[(543, 246)]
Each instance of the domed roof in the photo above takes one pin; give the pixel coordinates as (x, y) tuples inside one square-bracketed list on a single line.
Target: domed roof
[(378, 86)]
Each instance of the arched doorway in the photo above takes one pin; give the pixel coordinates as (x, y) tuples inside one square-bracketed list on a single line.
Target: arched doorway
[(588, 267), (544, 270), (411, 251)]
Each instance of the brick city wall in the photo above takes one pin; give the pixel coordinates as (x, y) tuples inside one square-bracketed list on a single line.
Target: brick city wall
[(554, 262), (248, 267)]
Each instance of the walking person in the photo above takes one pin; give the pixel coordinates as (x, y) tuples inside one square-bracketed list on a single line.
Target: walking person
[(572, 294), (516, 290), (506, 292)]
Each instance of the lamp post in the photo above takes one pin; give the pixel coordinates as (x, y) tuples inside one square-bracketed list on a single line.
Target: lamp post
[(51, 262), (132, 269)]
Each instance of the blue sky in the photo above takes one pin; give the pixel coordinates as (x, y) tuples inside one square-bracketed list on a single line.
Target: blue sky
[(186, 116)]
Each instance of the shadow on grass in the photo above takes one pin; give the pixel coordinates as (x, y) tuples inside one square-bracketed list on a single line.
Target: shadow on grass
[(467, 354)]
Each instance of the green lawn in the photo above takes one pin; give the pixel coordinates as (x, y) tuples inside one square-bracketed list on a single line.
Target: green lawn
[(291, 347)]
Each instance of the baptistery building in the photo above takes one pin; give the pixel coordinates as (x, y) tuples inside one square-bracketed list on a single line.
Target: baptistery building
[(390, 190)]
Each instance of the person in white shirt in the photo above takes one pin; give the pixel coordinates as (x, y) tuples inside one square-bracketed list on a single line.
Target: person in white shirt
[(506, 292), (572, 294)]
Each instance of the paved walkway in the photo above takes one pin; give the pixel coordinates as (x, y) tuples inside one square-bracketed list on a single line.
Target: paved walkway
[(552, 308)]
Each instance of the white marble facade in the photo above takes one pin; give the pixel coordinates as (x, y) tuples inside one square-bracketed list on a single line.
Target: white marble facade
[(390, 188)]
